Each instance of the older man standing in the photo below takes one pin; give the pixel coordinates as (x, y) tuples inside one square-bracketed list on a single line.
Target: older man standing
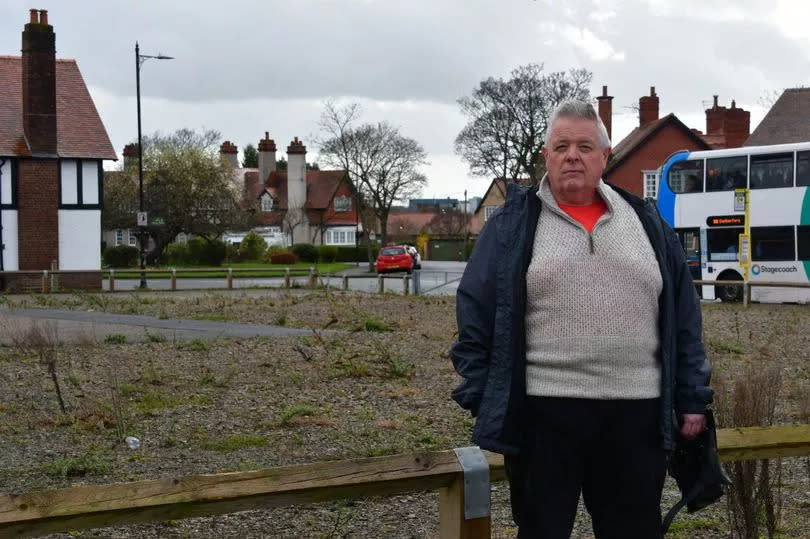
[(579, 336)]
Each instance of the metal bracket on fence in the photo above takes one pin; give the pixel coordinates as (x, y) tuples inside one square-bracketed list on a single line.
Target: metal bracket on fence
[(476, 481)]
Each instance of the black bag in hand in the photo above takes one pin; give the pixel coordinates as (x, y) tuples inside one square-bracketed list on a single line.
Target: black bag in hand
[(696, 468)]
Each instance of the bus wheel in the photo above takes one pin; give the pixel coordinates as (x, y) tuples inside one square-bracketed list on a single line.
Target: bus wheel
[(729, 294)]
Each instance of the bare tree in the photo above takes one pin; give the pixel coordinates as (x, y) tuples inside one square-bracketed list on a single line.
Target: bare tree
[(381, 162), (449, 223), (509, 118)]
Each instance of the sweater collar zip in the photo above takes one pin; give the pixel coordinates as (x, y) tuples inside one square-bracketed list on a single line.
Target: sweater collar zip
[(547, 197)]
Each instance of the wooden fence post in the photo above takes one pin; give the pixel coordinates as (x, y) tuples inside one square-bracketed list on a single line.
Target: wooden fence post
[(405, 285), (452, 524), (345, 282), (44, 281), (748, 294), (230, 278), (174, 279), (286, 277), (112, 280), (380, 284), (313, 278), (745, 288)]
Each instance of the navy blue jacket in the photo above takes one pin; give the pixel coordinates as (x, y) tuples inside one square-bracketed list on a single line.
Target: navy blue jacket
[(490, 353)]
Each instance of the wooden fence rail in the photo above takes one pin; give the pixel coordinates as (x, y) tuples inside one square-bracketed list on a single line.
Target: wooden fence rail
[(93, 506)]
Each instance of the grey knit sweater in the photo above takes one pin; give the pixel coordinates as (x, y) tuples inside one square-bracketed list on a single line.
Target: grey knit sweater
[(592, 305)]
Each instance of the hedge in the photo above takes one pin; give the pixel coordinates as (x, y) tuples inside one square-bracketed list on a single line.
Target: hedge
[(123, 256), (327, 253), (306, 252), (252, 247), (356, 254)]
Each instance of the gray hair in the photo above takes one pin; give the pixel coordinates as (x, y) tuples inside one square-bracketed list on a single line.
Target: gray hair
[(580, 110)]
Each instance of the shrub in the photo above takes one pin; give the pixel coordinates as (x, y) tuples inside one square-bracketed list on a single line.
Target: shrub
[(122, 256), (177, 254), (285, 258), (232, 252), (207, 253), (252, 247), (306, 252), (327, 253)]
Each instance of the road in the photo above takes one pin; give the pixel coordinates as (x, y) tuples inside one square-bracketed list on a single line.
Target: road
[(436, 278)]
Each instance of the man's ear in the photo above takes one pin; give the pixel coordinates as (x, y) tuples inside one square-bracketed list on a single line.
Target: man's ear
[(544, 151)]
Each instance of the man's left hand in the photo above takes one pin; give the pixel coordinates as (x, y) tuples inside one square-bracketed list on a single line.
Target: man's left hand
[(693, 424)]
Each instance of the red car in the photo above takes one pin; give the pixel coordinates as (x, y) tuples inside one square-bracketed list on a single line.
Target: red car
[(394, 258)]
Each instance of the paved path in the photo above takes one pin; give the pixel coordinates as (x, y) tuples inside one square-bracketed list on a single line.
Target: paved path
[(73, 326)]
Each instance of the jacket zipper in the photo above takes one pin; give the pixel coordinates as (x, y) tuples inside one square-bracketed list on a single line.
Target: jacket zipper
[(590, 242)]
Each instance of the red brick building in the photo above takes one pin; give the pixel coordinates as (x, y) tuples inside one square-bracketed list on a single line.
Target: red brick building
[(300, 205), (634, 161), (52, 143)]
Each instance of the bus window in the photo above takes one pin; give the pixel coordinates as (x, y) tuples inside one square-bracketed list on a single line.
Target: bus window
[(803, 237), (723, 243), (803, 168), (686, 177), (772, 243), (726, 173), (770, 171)]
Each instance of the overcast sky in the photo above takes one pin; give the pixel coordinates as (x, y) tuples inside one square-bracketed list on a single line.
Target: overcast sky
[(246, 67)]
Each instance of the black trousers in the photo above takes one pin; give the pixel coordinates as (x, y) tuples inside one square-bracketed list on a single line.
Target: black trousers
[(609, 450)]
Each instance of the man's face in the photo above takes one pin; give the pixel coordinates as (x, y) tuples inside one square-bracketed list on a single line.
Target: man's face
[(575, 160)]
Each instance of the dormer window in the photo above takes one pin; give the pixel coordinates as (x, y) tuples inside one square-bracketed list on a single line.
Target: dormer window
[(343, 203), (266, 202)]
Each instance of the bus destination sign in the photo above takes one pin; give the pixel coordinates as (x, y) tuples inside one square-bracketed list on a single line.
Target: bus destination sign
[(725, 220)]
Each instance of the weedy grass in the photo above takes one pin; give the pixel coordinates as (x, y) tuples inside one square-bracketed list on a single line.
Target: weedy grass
[(115, 338), (234, 443)]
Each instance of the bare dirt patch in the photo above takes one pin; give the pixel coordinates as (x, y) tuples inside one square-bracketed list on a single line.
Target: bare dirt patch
[(379, 386)]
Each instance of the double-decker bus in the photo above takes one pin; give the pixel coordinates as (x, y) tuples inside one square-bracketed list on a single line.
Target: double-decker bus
[(697, 198)]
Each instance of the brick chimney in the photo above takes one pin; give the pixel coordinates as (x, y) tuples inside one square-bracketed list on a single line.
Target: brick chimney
[(715, 118), (738, 126), (230, 153), (267, 157), (606, 110), (296, 174), (39, 84), (130, 155), (297, 190), (648, 108)]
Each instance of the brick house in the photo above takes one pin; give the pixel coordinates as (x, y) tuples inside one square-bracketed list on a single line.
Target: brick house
[(634, 161), (786, 122), (52, 144), (493, 198), (298, 205)]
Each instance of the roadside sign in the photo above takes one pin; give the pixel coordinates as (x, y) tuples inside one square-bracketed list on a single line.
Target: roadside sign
[(739, 199), (745, 250), (142, 218), (157, 221)]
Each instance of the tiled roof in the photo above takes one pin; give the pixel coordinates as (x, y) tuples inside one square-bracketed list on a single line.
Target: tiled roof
[(640, 135), (788, 120), (79, 130), (321, 187), (411, 220)]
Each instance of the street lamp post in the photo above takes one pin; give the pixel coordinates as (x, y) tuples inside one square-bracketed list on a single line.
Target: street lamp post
[(140, 59)]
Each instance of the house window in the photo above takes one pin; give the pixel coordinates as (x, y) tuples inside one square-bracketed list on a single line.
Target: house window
[(650, 183), (133, 239), (339, 236), (80, 181), (267, 203), (343, 203), (488, 211), (119, 237), (7, 182)]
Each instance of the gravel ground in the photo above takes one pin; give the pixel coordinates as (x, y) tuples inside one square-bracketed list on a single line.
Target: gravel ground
[(380, 385)]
